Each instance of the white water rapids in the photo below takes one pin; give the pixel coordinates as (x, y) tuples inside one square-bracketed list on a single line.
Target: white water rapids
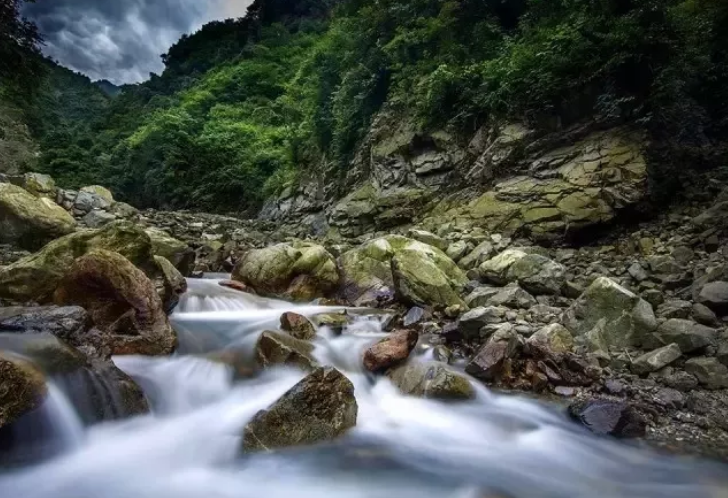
[(189, 447)]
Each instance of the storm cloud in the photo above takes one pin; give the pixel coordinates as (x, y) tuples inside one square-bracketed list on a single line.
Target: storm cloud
[(121, 40)]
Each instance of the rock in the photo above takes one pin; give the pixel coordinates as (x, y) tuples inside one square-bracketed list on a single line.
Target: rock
[(704, 315), (50, 354), (663, 264), (688, 335), (481, 296), (124, 210), (86, 202), (177, 252), (100, 191), (669, 398), (537, 274), (274, 348), (624, 319), (96, 218), (457, 250), (38, 184), (22, 388), (428, 238), (637, 272), (471, 323), (714, 295), (683, 255), (657, 359), (65, 323), (320, 408), (709, 371), (34, 278), (122, 302), (483, 252), (29, 221), (390, 351), (238, 286), (675, 308), (613, 418), (433, 380), (170, 283), (414, 315), (300, 273), (297, 326), (495, 270), (654, 297), (513, 297), (554, 337), (487, 364), (680, 380), (420, 279)]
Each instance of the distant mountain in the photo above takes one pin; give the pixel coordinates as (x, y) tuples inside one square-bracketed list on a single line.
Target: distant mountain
[(108, 88)]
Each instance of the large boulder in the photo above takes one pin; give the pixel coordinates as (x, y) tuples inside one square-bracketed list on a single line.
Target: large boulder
[(622, 318), (301, 272), (431, 380), (177, 252), (320, 408), (22, 388), (390, 351), (34, 278), (38, 184), (418, 273), (122, 302), (30, 221)]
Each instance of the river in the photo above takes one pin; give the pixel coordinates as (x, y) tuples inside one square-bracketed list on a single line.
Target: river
[(496, 445)]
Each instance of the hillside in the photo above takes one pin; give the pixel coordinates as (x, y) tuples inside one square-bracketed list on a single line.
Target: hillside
[(247, 109)]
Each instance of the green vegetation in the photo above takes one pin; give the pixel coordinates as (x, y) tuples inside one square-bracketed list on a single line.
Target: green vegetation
[(245, 105)]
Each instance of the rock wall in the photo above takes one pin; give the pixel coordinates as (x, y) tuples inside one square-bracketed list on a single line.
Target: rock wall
[(506, 179)]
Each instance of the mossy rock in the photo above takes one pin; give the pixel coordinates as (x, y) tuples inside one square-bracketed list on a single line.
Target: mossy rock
[(30, 221), (35, 277)]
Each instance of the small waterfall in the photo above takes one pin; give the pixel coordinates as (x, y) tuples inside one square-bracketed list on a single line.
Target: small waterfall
[(494, 445)]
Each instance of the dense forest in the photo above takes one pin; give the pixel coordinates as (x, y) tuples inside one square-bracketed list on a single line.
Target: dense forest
[(244, 105)]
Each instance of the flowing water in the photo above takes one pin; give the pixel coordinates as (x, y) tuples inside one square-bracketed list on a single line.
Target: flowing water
[(495, 445)]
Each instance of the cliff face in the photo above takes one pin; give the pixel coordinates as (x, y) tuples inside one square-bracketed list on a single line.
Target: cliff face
[(507, 179)]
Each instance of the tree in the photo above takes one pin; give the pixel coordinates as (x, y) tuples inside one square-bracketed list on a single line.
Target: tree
[(19, 48)]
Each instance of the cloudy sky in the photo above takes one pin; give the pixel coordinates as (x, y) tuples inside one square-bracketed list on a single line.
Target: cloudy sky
[(121, 40)]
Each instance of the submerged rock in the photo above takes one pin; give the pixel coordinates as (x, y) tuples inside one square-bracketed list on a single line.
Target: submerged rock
[(35, 277), (390, 351), (274, 348), (122, 303), (431, 380), (30, 221), (22, 388), (612, 418), (321, 407)]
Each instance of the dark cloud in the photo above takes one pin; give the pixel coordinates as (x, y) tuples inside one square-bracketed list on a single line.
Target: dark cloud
[(121, 40)]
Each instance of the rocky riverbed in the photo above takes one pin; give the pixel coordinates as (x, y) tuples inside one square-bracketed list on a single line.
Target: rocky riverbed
[(626, 327)]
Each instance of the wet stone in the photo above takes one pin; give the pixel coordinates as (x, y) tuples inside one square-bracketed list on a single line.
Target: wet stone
[(613, 418)]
